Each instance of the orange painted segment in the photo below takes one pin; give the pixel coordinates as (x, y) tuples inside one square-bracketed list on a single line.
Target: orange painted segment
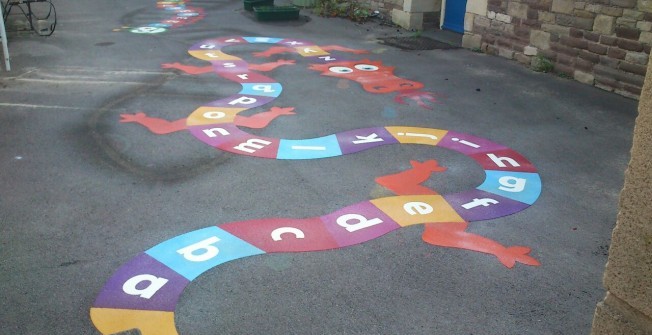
[(212, 115), (417, 209), (212, 55), (312, 50), (408, 182), (111, 321), (416, 135)]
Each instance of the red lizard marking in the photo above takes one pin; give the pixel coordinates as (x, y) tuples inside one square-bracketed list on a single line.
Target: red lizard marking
[(451, 234), (161, 126)]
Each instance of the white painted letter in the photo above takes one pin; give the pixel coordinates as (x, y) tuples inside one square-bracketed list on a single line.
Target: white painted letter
[(252, 145), (211, 132), (276, 234), (214, 115), (155, 284), (414, 208), (511, 184), (367, 139), (243, 100), (361, 222), (499, 161), (208, 251)]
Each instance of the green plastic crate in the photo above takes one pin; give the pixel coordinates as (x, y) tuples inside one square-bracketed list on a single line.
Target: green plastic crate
[(250, 4), (276, 13)]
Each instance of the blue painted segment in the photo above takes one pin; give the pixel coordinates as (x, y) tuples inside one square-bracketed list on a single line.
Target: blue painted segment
[(313, 148), (263, 89), (193, 253), (454, 15), (520, 186), (262, 39)]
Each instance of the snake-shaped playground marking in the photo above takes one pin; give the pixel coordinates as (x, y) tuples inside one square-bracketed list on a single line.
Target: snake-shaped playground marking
[(143, 292), (182, 15)]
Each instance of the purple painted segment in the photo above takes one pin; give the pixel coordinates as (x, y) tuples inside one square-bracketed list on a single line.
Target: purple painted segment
[(362, 139), (241, 101), (164, 294), (217, 42), (468, 144), (358, 223), (477, 205), (215, 134)]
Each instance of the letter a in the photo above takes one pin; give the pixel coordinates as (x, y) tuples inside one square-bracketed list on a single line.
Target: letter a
[(155, 283)]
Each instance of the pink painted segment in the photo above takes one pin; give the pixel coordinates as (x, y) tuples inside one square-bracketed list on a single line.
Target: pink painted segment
[(218, 43), (241, 101), (358, 223), (283, 235), (504, 160), (468, 144), (246, 76)]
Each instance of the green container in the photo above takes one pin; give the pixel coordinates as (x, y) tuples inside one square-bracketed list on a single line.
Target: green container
[(250, 4), (276, 13)]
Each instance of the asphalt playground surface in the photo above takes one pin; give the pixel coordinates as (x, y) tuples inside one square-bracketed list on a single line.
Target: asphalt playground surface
[(82, 193)]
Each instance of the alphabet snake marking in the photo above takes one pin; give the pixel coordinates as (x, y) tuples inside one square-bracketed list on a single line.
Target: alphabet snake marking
[(143, 292)]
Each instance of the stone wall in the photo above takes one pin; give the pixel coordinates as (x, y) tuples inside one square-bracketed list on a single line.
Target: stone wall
[(627, 309), (605, 43)]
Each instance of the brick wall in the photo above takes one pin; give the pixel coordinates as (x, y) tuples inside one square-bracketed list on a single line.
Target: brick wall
[(605, 43)]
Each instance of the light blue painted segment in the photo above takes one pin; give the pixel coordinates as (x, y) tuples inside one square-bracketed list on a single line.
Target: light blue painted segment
[(262, 39), (313, 148), (264, 89), (520, 186), (193, 253)]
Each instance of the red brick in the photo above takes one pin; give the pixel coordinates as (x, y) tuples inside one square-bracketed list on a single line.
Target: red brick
[(522, 31), (628, 33), (607, 81), (584, 65), (504, 42), (597, 48), (564, 50), (616, 53), (593, 37), (633, 89), (630, 45), (574, 42), (561, 68), (623, 3), (550, 54), (574, 32), (589, 56), (633, 68), (608, 61), (565, 59), (608, 40)]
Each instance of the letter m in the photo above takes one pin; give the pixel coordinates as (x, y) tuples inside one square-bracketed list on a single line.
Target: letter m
[(252, 145)]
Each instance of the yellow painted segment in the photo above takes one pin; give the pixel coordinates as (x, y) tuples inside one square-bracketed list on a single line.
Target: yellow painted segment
[(212, 115), (111, 321), (312, 50), (212, 55), (416, 135), (409, 210)]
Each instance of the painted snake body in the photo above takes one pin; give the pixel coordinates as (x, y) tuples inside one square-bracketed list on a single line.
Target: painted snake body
[(143, 292)]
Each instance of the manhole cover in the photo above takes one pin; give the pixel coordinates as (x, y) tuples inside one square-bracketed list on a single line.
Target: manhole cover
[(416, 43)]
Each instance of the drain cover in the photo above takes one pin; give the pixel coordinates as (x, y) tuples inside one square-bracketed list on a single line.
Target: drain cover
[(416, 43)]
